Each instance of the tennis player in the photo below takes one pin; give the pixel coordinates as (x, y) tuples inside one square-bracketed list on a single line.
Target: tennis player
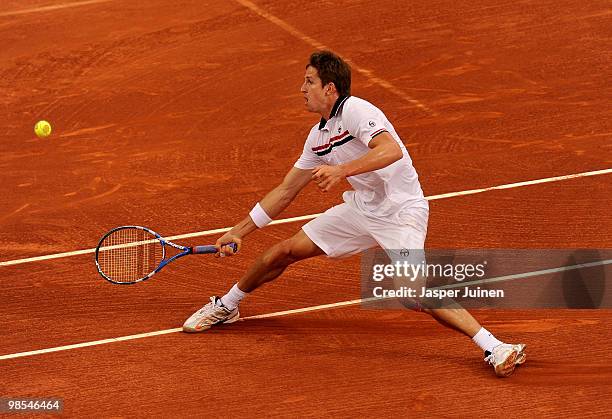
[(355, 141)]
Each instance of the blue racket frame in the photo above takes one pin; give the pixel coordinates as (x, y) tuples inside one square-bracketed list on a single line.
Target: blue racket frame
[(208, 249)]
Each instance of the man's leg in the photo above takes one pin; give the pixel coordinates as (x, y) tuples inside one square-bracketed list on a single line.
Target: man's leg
[(268, 266), (456, 318), (446, 311), (410, 237), (504, 357), (271, 263)]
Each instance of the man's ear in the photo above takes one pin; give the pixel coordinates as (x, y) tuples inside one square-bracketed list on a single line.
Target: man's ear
[(330, 89)]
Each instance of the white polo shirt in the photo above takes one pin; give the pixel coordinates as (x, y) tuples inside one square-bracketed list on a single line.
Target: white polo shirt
[(384, 193)]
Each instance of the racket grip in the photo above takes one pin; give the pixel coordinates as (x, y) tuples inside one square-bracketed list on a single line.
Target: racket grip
[(211, 249)]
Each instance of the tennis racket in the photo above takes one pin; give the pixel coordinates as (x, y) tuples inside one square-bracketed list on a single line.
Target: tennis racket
[(131, 254)]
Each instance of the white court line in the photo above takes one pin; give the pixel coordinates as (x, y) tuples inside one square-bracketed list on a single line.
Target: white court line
[(50, 8), (318, 45), (299, 310), (527, 274), (311, 216)]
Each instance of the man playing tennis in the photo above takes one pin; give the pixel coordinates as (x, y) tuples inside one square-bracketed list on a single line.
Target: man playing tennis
[(353, 141)]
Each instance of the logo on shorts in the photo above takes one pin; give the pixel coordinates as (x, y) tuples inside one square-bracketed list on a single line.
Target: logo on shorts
[(339, 129), (372, 124)]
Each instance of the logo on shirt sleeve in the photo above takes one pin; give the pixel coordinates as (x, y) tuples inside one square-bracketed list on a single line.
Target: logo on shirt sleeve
[(372, 124)]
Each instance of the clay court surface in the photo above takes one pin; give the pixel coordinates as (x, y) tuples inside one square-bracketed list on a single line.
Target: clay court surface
[(180, 115)]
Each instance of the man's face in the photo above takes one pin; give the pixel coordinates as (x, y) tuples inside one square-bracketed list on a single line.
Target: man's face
[(313, 91)]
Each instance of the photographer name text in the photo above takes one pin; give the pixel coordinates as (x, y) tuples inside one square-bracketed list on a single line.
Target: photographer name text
[(424, 292)]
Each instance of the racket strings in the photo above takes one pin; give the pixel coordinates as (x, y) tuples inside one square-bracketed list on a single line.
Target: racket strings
[(129, 254)]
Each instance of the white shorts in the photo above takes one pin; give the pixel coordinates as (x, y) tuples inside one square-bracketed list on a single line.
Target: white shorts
[(343, 231)]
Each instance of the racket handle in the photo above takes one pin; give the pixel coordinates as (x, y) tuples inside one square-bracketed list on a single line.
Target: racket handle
[(211, 249)]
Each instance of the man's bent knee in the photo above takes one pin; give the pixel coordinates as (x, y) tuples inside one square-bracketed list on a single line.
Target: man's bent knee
[(301, 247), (292, 250)]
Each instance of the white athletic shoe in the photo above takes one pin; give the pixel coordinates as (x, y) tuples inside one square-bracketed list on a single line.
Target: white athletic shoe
[(211, 314), (506, 357)]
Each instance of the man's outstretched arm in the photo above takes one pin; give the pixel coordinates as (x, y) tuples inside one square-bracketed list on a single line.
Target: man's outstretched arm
[(272, 204)]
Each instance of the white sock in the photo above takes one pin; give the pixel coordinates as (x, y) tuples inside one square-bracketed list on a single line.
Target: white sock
[(233, 297), (486, 340)]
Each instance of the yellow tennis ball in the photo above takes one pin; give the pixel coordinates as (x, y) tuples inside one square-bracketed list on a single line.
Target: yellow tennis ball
[(42, 129)]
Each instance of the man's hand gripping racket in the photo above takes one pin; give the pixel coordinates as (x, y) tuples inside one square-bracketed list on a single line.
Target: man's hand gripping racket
[(131, 254)]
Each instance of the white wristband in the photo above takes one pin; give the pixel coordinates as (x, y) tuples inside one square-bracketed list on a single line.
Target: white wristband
[(259, 216)]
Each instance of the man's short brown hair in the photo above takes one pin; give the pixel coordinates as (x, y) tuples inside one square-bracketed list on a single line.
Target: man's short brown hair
[(332, 69)]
